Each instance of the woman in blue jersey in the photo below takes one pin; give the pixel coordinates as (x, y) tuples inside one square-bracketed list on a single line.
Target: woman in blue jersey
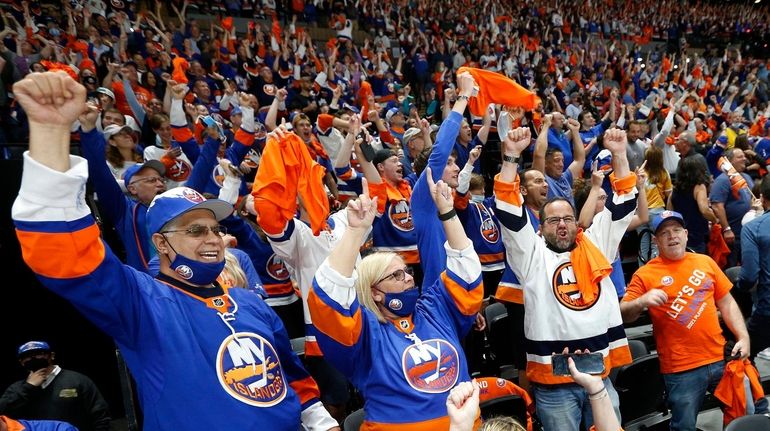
[(398, 347)]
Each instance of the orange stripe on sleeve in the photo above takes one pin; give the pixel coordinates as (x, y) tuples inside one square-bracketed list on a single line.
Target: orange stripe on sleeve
[(491, 257), (508, 192), (510, 294), (77, 253), (441, 423), (343, 329), (244, 137), (623, 186), (181, 134), (306, 389), (467, 301), (324, 122)]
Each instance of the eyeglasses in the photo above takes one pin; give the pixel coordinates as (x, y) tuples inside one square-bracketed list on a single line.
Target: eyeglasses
[(199, 231), (147, 180), (553, 221), (398, 274)]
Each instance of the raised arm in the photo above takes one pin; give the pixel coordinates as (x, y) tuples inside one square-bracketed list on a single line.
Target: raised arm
[(578, 151), (541, 145)]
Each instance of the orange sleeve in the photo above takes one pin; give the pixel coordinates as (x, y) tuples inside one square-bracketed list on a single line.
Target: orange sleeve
[(467, 301), (508, 192), (325, 122), (381, 192), (635, 289)]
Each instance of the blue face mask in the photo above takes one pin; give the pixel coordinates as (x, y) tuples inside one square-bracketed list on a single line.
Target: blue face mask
[(402, 303), (477, 198), (198, 273)]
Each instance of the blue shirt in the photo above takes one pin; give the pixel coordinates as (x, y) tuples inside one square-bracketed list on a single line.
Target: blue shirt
[(734, 208), (755, 261), (561, 186), (560, 141), (463, 154)]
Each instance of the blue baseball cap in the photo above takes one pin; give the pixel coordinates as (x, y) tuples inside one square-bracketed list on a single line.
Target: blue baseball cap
[(132, 170), (236, 111), (179, 200), (32, 347), (666, 216)]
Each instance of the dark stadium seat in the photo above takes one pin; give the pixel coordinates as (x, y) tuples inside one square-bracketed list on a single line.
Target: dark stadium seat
[(750, 423), (354, 420), (641, 390)]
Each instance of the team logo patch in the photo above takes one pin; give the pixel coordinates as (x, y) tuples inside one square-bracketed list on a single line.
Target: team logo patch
[(489, 230), (252, 159), (565, 288), (218, 302), (401, 216), (403, 323), (179, 171), (276, 268), (395, 304), (184, 271), (667, 280), (432, 366), (191, 195), (269, 89), (250, 371)]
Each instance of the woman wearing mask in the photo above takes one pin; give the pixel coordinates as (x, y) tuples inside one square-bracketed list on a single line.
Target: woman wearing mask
[(397, 346)]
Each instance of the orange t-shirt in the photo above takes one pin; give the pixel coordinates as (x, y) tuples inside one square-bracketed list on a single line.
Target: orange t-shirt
[(686, 328)]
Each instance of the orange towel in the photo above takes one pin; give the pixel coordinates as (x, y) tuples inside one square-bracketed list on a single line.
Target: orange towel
[(496, 88), (179, 74), (590, 266), (731, 391), (285, 170), (717, 247)]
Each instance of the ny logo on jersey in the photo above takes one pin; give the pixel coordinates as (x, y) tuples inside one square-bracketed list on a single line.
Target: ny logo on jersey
[(276, 268), (565, 288), (401, 216), (250, 371), (431, 366)]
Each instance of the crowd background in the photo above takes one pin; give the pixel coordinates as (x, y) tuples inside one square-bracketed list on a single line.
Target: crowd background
[(634, 61)]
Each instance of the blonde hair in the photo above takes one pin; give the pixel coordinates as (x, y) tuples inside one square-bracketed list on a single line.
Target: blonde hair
[(502, 423), (233, 274), (370, 270)]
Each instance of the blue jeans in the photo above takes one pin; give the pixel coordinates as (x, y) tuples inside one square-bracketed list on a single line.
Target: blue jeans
[(686, 391), (561, 407)]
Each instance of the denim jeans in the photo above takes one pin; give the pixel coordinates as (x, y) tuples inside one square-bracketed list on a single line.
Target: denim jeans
[(686, 391), (561, 407)]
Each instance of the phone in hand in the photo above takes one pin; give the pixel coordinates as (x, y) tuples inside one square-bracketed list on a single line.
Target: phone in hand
[(367, 150), (589, 363)]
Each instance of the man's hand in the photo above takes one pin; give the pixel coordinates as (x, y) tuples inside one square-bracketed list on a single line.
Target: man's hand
[(281, 94), (546, 123), (88, 117), (462, 405), (615, 141), (36, 378), (597, 176), (51, 98), (474, 155), (178, 91), (729, 237), (742, 347), (573, 125), (441, 193), (517, 141), (653, 298), (465, 83)]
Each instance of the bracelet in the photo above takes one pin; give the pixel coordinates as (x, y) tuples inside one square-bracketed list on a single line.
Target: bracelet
[(463, 97), (448, 215), (511, 159), (727, 229), (604, 395), (598, 394)]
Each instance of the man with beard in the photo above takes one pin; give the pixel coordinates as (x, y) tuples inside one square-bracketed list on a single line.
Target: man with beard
[(52, 393), (570, 300)]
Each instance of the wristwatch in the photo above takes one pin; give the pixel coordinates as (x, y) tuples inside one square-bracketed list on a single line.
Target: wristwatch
[(464, 97), (511, 159)]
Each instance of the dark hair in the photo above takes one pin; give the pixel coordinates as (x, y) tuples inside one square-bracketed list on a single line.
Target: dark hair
[(421, 160), (556, 199), (764, 188), (656, 172), (157, 120), (552, 151), (742, 142), (689, 173)]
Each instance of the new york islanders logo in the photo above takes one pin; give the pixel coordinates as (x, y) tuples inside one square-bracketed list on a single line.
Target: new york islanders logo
[(276, 268), (431, 366), (488, 228), (401, 216), (249, 370), (179, 170), (565, 288)]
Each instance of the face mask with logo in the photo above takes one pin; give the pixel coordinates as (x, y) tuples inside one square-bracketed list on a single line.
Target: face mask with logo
[(199, 273), (35, 364), (402, 303), (477, 198)]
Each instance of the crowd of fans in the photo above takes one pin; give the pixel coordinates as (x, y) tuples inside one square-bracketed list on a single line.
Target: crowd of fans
[(195, 101)]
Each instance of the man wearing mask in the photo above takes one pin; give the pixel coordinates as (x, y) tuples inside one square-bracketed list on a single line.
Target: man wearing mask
[(182, 333), (52, 393)]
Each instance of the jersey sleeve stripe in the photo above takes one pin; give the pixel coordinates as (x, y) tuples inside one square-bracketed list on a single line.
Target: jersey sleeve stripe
[(343, 326), (467, 296), (78, 252)]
